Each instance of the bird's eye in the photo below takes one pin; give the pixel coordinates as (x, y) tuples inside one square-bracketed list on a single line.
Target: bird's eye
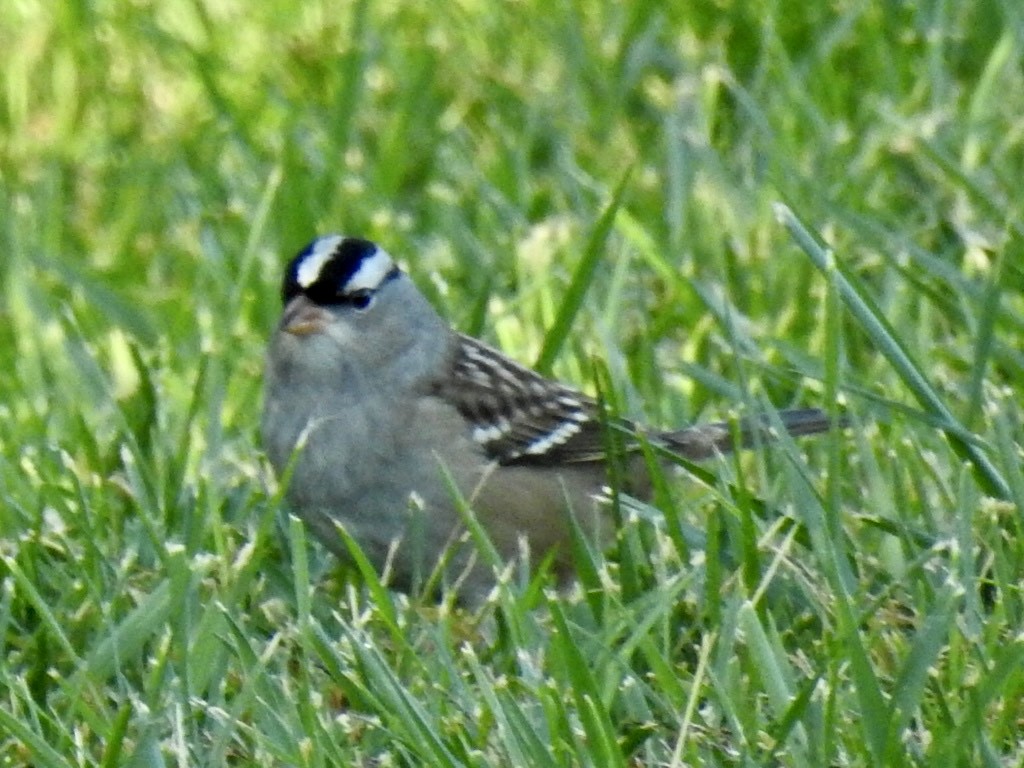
[(360, 299)]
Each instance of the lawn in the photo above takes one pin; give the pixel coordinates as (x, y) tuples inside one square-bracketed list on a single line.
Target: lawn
[(696, 209)]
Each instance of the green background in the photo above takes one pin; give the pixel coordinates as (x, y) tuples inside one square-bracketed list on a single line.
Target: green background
[(594, 187)]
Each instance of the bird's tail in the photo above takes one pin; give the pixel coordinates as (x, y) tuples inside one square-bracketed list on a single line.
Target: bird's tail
[(706, 440)]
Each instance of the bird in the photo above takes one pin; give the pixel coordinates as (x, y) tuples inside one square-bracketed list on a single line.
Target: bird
[(384, 419)]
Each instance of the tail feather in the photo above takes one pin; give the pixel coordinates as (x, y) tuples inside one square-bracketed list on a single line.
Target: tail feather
[(706, 440)]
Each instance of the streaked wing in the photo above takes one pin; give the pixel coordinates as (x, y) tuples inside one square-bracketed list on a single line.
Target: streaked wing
[(518, 416)]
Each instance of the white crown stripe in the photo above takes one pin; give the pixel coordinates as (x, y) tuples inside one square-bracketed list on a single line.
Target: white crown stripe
[(371, 273), (322, 250)]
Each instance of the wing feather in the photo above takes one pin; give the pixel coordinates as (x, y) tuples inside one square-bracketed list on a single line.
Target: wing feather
[(518, 416)]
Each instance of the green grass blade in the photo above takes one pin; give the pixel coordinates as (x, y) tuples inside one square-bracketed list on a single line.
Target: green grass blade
[(873, 321), (586, 270)]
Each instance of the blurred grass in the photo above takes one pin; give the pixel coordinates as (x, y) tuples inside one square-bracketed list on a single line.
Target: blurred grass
[(849, 601)]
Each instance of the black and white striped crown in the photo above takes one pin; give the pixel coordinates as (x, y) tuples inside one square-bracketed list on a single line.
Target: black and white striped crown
[(334, 270)]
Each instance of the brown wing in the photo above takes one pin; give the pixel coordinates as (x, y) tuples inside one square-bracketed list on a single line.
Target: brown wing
[(518, 416)]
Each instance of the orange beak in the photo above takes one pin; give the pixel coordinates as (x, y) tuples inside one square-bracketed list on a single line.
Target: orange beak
[(304, 318)]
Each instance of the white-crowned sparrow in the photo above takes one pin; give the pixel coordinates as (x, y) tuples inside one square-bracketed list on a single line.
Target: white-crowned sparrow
[(374, 405)]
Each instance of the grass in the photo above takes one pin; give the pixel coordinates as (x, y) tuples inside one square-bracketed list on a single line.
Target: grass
[(695, 208)]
